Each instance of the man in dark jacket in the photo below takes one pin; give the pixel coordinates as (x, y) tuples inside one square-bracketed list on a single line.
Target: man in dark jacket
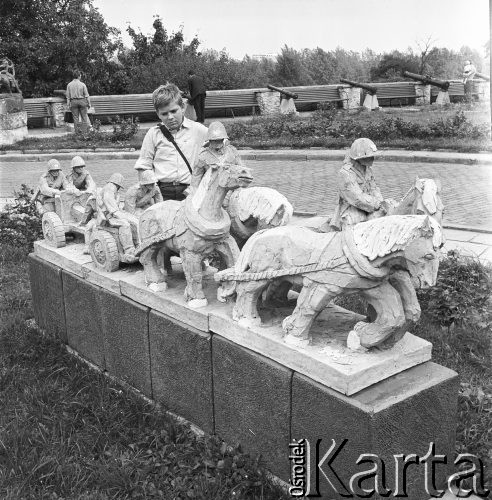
[(198, 94)]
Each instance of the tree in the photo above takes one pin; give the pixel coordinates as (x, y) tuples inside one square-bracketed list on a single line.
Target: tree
[(48, 40), (392, 65)]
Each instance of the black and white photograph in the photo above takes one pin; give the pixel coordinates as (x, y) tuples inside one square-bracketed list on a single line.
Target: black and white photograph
[(245, 249)]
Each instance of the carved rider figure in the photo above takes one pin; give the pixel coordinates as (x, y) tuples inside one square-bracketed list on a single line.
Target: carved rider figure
[(217, 150), (142, 195), (110, 213), (359, 197), (80, 178), (50, 184)]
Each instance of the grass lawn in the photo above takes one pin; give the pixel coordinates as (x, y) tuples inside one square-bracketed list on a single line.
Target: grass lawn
[(67, 432)]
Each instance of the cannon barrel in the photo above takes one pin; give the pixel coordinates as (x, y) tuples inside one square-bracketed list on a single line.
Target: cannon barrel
[(282, 91), (442, 84), (372, 90), (482, 76)]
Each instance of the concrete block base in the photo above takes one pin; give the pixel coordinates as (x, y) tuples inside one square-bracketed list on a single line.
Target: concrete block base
[(402, 415), (222, 386)]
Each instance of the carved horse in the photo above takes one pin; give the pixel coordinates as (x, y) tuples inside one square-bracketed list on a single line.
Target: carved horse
[(382, 259), (193, 228)]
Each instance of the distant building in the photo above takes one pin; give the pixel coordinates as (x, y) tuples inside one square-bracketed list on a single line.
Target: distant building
[(258, 57)]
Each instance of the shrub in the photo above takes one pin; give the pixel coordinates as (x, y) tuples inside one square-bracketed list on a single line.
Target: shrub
[(20, 223), (123, 129), (461, 295)]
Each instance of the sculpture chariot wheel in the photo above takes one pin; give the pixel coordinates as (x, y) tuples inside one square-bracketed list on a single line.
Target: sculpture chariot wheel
[(53, 230), (104, 251)]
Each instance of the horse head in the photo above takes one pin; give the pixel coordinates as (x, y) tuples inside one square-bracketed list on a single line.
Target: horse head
[(422, 254), (428, 199), (232, 176)]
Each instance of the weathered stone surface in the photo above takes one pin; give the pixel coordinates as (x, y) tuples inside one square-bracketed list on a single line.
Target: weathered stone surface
[(8, 137), (126, 340), (401, 415), (47, 297), (327, 360), (70, 257), (350, 96), (423, 93), (252, 403), (268, 102), (11, 103), (181, 361), (13, 121), (84, 319)]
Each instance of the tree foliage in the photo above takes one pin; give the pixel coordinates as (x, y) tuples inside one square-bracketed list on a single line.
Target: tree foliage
[(47, 40)]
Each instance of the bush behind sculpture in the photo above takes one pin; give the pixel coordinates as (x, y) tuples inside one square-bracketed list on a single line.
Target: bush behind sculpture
[(462, 294), (20, 223)]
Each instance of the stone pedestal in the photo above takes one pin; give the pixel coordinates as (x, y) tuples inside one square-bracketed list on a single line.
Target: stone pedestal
[(244, 383), (482, 89), (13, 119), (350, 96), (442, 98), (271, 103), (423, 94), (370, 102), (58, 107)]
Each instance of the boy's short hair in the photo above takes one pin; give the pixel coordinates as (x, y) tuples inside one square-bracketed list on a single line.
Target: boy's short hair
[(166, 94), (76, 73)]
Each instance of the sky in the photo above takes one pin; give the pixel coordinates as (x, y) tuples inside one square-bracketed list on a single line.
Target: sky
[(265, 26)]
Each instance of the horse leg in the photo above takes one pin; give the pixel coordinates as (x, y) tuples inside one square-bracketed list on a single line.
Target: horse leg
[(390, 320), (192, 267), (245, 307), (314, 297), (277, 291), (154, 277), (229, 251)]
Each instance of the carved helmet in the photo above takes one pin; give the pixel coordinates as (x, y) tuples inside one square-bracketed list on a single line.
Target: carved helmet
[(216, 130), (117, 179), (78, 161), (53, 165), (147, 177), (362, 148)]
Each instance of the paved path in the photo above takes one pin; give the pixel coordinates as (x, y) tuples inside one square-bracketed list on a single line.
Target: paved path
[(310, 185)]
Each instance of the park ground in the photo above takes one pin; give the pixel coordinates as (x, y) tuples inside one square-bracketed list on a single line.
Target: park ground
[(70, 434)]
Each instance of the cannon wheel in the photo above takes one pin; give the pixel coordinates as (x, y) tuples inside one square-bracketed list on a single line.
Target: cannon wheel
[(104, 251), (53, 230)]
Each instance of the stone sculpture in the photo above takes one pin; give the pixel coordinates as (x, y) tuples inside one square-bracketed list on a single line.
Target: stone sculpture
[(7, 76), (51, 183), (193, 228), (382, 259), (142, 195), (255, 208), (114, 238)]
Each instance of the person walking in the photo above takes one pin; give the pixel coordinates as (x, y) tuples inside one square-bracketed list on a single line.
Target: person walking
[(198, 94), (78, 101)]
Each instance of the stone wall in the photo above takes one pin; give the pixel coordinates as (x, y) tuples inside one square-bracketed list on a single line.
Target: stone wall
[(175, 356), (423, 93), (271, 103), (13, 119), (350, 96)]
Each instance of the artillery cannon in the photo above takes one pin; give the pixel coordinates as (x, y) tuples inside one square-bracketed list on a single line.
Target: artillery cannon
[(443, 85), (370, 100), (286, 93), (428, 80), (482, 76)]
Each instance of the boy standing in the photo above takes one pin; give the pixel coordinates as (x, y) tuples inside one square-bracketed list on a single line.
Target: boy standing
[(161, 155)]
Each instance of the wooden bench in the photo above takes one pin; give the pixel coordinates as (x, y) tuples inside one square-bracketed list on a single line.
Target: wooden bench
[(395, 90), (122, 105), (231, 99), (38, 108), (315, 94)]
